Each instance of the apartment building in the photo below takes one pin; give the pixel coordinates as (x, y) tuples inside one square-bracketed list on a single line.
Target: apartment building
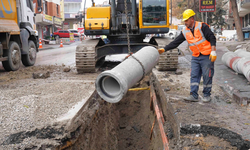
[(49, 18), (71, 9), (244, 12)]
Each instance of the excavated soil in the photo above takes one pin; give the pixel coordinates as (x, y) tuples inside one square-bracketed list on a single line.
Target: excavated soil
[(125, 125)]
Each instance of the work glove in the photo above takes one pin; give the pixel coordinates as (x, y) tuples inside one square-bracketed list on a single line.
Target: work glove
[(161, 50), (212, 56)]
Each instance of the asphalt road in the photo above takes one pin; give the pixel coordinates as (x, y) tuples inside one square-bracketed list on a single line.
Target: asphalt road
[(54, 55), (57, 56)]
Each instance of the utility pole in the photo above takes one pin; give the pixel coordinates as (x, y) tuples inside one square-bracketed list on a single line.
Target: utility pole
[(237, 20), (202, 17), (206, 16)]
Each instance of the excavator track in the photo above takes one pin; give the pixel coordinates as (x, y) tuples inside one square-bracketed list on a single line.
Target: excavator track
[(168, 61), (86, 56)]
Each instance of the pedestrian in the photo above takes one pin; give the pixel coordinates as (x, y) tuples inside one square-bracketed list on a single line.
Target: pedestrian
[(202, 43)]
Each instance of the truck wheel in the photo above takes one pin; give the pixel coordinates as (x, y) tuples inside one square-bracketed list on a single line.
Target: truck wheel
[(14, 57), (30, 58)]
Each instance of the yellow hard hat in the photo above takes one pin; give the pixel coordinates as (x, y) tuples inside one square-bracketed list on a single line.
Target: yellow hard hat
[(187, 14)]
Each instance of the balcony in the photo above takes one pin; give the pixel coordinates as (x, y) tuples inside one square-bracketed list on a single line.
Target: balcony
[(243, 11), (245, 4), (43, 19)]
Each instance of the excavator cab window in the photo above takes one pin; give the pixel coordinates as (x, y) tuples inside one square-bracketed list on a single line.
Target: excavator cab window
[(28, 2), (154, 12)]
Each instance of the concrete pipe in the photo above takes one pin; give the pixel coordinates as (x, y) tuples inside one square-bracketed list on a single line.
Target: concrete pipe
[(238, 64), (244, 65), (113, 84), (231, 60), (242, 53), (227, 57)]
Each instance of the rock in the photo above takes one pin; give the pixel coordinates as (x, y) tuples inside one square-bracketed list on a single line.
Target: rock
[(239, 46), (196, 143), (166, 75), (136, 129), (41, 75), (67, 69), (128, 127), (178, 72), (170, 80), (167, 89)]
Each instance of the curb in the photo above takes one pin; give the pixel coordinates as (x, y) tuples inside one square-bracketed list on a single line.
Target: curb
[(236, 95), (240, 99)]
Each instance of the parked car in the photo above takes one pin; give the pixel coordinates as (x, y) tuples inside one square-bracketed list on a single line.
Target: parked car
[(172, 34), (76, 34), (61, 34)]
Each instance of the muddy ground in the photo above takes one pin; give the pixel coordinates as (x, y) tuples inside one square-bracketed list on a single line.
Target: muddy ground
[(31, 101), (34, 98)]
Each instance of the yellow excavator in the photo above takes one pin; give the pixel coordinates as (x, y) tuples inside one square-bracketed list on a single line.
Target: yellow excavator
[(125, 24)]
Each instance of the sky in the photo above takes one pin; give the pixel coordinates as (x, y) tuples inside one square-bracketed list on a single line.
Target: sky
[(89, 2)]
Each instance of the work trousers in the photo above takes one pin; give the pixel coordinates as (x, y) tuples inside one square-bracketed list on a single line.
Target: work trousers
[(201, 66)]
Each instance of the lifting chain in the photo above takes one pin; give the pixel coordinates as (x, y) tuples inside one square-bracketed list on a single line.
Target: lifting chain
[(126, 13), (129, 49)]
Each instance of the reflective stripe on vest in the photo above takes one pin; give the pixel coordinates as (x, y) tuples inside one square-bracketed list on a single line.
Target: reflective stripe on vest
[(197, 43)]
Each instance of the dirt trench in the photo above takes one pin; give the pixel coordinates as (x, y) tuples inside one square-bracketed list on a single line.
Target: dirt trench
[(127, 125), (101, 125), (124, 125)]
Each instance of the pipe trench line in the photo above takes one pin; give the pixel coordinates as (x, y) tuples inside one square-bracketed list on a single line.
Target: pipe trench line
[(113, 84)]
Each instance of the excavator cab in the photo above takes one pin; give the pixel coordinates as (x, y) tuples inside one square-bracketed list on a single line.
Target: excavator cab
[(126, 24), (153, 16)]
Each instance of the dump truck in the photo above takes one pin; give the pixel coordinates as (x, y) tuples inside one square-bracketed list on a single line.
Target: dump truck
[(126, 24), (18, 40)]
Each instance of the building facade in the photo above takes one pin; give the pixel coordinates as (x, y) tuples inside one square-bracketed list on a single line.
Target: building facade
[(49, 18), (71, 10), (244, 12)]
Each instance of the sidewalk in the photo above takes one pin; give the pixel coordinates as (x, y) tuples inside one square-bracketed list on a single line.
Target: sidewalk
[(55, 46), (224, 117), (236, 85)]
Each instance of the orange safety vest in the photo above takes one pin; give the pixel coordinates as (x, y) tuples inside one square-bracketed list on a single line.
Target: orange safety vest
[(197, 42)]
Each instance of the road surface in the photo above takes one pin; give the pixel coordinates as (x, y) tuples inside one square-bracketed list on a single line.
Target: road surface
[(55, 56)]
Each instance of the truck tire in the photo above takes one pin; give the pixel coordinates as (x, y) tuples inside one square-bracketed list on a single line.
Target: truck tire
[(30, 58), (14, 57)]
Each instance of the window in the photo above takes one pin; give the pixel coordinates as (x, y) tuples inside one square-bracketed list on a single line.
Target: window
[(247, 20), (154, 12), (60, 31), (66, 8), (29, 4), (57, 9), (46, 7)]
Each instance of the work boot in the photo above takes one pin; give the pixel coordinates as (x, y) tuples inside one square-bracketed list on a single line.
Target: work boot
[(206, 99), (191, 98)]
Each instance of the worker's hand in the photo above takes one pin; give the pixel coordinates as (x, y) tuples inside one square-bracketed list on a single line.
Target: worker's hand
[(161, 50), (212, 56)]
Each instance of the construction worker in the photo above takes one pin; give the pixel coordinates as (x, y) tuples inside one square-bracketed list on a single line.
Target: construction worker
[(202, 42)]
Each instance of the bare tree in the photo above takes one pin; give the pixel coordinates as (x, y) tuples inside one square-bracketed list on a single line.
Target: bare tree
[(237, 20)]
